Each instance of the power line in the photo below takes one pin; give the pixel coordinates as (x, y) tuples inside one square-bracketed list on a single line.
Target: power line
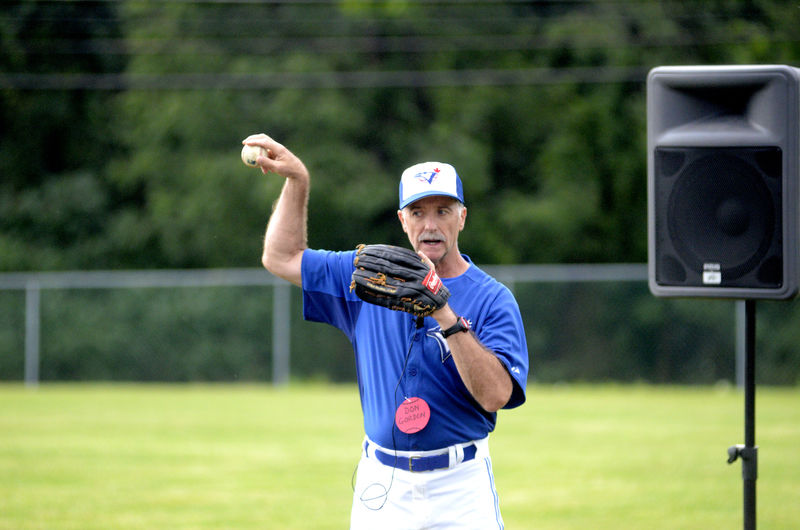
[(255, 46), (451, 33), (315, 24), (459, 14), (325, 80), (337, 2)]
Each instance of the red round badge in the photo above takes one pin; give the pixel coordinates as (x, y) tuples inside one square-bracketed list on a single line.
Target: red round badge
[(412, 415)]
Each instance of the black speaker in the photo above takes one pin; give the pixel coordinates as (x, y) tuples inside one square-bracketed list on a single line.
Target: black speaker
[(723, 155)]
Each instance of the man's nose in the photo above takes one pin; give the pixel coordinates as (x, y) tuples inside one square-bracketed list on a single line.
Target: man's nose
[(430, 223)]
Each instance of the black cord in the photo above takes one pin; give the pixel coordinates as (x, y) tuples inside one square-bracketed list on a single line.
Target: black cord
[(386, 489)]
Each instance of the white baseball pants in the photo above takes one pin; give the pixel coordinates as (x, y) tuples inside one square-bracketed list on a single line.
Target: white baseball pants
[(460, 497)]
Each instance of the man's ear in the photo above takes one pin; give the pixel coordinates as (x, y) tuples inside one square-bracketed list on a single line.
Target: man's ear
[(402, 220), (463, 218)]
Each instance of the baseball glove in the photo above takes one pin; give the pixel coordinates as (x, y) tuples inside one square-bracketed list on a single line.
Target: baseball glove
[(397, 278)]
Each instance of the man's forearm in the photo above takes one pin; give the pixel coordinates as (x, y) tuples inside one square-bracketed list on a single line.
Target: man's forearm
[(285, 238), (286, 234), (482, 372)]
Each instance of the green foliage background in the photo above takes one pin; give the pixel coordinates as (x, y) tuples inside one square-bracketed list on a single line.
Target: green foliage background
[(122, 121)]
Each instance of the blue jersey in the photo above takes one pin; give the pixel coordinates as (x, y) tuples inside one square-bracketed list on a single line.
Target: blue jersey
[(390, 343)]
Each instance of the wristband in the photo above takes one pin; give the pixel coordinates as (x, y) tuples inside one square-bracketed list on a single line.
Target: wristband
[(460, 325)]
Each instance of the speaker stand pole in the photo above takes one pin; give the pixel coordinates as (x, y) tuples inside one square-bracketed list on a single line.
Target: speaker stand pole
[(749, 451)]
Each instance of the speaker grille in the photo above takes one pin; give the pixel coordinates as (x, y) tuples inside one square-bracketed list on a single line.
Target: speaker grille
[(723, 216)]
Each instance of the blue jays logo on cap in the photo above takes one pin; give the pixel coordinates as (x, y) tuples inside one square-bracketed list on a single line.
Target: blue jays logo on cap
[(429, 178)]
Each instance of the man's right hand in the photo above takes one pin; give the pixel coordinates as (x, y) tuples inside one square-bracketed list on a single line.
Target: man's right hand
[(279, 160)]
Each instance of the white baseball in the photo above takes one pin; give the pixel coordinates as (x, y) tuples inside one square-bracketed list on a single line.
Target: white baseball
[(250, 154)]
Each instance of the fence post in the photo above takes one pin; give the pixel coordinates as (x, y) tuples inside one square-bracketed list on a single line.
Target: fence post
[(281, 323), (32, 323)]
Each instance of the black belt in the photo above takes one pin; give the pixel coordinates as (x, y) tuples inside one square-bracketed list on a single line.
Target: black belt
[(420, 463)]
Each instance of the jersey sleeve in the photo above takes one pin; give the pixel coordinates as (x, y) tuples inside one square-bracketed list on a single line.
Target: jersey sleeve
[(326, 278)]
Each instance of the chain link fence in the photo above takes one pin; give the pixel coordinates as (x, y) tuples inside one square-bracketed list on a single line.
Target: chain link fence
[(583, 323)]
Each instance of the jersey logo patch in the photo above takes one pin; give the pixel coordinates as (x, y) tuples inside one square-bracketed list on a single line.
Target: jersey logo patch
[(444, 348)]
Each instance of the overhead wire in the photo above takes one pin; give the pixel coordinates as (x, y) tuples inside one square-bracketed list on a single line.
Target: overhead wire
[(320, 36), (327, 79)]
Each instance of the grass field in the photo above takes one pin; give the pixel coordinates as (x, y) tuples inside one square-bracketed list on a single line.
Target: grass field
[(247, 456)]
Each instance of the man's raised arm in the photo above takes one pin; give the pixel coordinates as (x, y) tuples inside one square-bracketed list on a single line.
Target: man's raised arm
[(285, 238)]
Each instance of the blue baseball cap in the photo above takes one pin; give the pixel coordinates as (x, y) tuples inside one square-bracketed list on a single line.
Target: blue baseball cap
[(429, 178)]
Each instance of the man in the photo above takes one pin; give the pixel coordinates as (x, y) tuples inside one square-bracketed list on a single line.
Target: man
[(430, 387)]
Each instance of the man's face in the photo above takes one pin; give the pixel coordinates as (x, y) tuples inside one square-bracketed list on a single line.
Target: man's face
[(432, 225)]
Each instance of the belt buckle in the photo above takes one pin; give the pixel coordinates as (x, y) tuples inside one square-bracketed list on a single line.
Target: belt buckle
[(411, 462)]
